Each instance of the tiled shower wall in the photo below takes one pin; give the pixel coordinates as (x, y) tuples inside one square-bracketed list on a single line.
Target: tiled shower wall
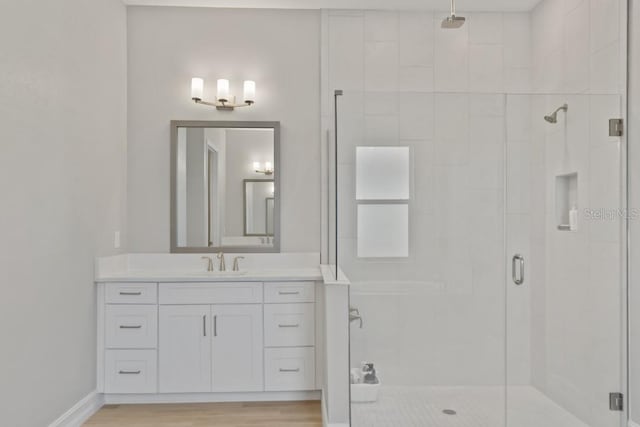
[(455, 97), (436, 317), (576, 277)]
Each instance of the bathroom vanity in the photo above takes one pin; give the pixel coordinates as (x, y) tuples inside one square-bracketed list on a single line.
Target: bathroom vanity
[(168, 330)]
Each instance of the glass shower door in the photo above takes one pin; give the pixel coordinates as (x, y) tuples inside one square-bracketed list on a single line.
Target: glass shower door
[(565, 222)]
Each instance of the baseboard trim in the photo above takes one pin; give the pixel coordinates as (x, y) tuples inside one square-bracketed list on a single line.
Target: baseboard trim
[(81, 411), (260, 396), (633, 424)]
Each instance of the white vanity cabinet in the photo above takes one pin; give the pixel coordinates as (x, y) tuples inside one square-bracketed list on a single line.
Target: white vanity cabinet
[(206, 337), (184, 348)]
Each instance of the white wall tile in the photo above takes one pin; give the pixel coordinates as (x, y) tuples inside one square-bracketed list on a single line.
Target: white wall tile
[(381, 130), (485, 28), (486, 68), (416, 79), (576, 49), (451, 59), (605, 23), (416, 116), (381, 66), (346, 50), (517, 39), (380, 26), (416, 35), (491, 105), (605, 69), (377, 103), (518, 80)]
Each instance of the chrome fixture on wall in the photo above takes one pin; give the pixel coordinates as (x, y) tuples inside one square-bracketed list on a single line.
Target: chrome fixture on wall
[(453, 21), (553, 117), (267, 169), (224, 100)]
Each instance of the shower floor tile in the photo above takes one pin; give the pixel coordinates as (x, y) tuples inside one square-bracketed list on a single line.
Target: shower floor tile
[(474, 407)]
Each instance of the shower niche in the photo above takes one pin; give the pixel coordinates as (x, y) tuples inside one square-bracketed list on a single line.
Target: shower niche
[(567, 202)]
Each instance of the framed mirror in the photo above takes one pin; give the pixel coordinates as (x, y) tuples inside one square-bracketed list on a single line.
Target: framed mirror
[(225, 180)]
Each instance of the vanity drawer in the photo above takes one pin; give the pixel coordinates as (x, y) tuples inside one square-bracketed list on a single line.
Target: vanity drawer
[(131, 326), (283, 292), (132, 293), (211, 293), (289, 369), (289, 325), (131, 371)]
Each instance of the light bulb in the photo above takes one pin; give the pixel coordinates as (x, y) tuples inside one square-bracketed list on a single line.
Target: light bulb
[(197, 88), (223, 90), (249, 91)]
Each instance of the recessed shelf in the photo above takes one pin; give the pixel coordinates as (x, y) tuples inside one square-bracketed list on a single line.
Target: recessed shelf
[(566, 201)]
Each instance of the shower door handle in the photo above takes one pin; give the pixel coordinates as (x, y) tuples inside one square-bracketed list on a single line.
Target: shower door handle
[(517, 269)]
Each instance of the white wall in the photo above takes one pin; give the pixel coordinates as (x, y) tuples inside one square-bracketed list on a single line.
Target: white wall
[(62, 180), (277, 49)]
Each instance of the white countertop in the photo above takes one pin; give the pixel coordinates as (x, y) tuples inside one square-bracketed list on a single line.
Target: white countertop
[(286, 274)]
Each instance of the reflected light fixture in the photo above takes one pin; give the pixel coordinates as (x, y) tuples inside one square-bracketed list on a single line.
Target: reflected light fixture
[(267, 169), (224, 100)]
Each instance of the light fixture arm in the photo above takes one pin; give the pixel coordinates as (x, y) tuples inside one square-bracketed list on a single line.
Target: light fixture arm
[(223, 104)]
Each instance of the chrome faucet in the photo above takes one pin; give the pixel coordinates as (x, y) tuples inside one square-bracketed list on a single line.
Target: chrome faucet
[(222, 267), (354, 315), (209, 263), (236, 264)]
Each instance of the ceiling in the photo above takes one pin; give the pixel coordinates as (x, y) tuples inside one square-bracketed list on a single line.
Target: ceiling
[(440, 5)]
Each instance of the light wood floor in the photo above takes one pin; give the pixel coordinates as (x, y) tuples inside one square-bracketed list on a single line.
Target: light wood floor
[(253, 414)]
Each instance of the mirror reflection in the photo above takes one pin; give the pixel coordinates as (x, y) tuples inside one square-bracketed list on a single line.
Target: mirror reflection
[(225, 188)]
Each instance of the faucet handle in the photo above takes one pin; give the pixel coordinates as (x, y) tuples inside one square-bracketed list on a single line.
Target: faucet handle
[(220, 256), (236, 264), (209, 262)]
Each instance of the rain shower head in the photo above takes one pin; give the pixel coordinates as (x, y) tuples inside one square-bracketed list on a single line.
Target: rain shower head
[(553, 117), (453, 21)]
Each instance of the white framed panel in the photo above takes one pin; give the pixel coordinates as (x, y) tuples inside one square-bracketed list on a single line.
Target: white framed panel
[(382, 173), (383, 231)]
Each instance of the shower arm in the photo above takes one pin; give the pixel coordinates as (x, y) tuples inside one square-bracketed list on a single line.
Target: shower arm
[(564, 107), (453, 7)]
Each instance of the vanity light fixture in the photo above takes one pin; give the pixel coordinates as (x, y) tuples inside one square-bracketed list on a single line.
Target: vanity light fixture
[(224, 101), (267, 169)]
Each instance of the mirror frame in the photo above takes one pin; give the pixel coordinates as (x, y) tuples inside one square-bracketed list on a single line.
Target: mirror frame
[(175, 124), (244, 208)]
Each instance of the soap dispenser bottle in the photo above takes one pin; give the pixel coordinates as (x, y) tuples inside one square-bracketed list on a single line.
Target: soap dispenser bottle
[(573, 218)]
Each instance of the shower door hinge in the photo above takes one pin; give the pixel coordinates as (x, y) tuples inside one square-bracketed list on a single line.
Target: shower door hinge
[(616, 127), (616, 401)]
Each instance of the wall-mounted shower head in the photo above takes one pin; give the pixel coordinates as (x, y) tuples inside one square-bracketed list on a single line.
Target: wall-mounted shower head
[(453, 21), (553, 117)]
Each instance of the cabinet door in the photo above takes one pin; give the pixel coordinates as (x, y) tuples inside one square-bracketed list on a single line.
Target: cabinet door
[(237, 348), (184, 348)]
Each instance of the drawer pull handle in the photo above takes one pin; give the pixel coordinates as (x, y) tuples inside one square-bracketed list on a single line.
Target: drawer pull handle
[(297, 325), (135, 294), (288, 293), (290, 370), (129, 372), (130, 326)]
